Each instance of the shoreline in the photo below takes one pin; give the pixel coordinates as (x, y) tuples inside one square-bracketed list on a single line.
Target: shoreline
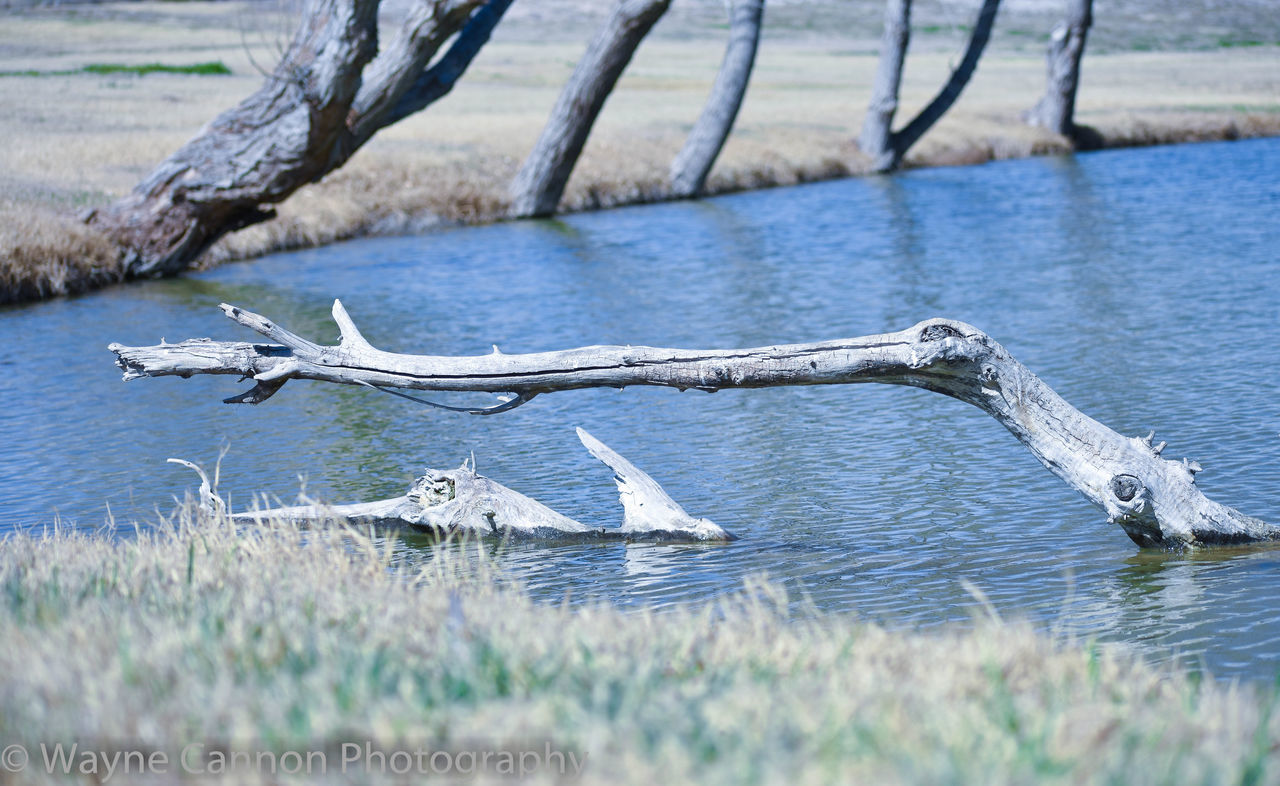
[(450, 165), (67, 278)]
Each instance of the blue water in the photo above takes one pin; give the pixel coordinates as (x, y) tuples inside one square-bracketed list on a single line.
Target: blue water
[(1140, 284)]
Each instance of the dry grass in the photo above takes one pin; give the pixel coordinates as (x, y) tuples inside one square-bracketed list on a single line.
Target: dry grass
[(44, 253), (452, 162), (192, 632)]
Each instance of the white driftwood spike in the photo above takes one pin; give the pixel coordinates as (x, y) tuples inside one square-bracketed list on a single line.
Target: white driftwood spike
[(210, 502), (1154, 500), (352, 338), (646, 507)]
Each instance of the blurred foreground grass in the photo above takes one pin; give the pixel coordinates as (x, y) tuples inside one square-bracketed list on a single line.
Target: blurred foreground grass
[(281, 639)]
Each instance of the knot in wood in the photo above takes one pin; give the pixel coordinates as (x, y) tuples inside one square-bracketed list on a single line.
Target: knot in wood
[(1125, 487), (939, 332)]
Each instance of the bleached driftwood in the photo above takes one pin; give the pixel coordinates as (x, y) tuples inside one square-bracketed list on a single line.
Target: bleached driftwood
[(462, 502), (1153, 499)]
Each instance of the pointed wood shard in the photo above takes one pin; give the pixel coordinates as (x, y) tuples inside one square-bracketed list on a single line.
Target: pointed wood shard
[(646, 507)]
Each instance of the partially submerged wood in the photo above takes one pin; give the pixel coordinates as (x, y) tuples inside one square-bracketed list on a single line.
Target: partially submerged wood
[(1154, 500), (462, 502)]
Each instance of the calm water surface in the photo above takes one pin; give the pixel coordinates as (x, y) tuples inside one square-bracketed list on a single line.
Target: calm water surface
[(1141, 285)]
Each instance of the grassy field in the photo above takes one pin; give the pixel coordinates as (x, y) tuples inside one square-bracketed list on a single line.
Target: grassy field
[(271, 641), (78, 136)]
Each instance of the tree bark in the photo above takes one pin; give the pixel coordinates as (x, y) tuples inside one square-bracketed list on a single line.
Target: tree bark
[(463, 502), (888, 148), (1154, 500), (877, 127), (325, 99), (1056, 110), (691, 166), (538, 186)]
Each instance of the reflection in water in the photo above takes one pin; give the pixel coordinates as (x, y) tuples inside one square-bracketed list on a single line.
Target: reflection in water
[(1137, 283)]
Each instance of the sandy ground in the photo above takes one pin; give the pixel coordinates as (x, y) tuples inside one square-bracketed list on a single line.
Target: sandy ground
[(75, 141)]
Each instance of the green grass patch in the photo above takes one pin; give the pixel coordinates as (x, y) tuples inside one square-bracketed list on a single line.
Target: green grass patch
[(1236, 42), (215, 68)]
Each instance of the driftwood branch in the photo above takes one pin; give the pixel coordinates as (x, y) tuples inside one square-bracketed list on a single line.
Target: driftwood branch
[(1153, 499), (462, 502)]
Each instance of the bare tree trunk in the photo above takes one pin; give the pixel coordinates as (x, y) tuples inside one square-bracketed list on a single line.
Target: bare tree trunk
[(1056, 110), (325, 99), (877, 127), (1154, 500), (690, 168), (538, 186), (888, 148)]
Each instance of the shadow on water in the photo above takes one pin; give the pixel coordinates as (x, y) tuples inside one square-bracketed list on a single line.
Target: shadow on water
[(1136, 283)]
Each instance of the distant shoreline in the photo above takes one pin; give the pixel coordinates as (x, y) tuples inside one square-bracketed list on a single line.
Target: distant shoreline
[(451, 164)]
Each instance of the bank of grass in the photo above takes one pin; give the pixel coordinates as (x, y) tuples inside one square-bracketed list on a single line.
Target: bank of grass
[(452, 162), (280, 639)]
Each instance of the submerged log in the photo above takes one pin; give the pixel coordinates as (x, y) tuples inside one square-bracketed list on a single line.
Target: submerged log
[(462, 502), (1154, 500)]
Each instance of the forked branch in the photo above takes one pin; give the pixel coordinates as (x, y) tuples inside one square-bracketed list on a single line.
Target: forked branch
[(1153, 499)]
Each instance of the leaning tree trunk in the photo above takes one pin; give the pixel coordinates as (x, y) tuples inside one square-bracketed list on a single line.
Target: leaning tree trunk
[(877, 127), (888, 148), (1154, 500), (539, 184), (1056, 110), (325, 99), (691, 166)]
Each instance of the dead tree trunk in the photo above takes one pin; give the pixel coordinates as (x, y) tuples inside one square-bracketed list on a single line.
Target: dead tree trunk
[(1056, 110), (888, 148), (539, 184), (691, 166), (1154, 500), (325, 99)]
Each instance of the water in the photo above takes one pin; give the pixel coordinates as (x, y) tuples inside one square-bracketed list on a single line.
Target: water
[(1141, 285)]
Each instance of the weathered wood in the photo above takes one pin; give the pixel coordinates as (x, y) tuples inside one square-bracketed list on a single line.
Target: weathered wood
[(1154, 500), (462, 502), (538, 186), (325, 99), (1056, 109), (888, 148), (691, 166)]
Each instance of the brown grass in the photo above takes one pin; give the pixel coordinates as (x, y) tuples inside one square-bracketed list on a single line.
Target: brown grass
[(46, 254), (452, 162)]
